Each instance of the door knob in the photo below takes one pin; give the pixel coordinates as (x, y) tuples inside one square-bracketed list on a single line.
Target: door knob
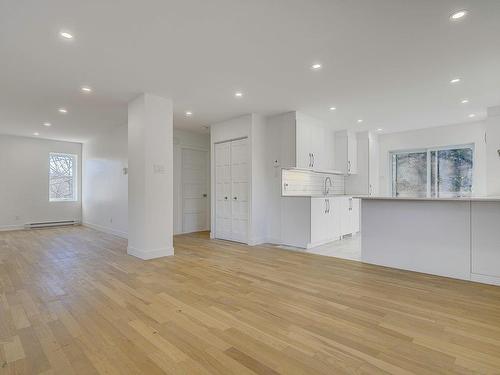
[(204, 195), (225, 198)]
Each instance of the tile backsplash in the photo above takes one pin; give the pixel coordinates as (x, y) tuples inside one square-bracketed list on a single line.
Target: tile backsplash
[(304, 183)]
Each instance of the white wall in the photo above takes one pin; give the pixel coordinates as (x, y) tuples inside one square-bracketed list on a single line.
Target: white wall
[(470, 133), (182, 140), (281, 149), (105, 186), (24, 182), (259, 184)]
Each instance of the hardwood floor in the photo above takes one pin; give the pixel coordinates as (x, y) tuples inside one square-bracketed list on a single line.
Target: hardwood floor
[(72, 301)]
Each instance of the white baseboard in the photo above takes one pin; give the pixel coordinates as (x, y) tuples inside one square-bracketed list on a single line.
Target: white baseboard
[(150, 254), (274, 241), (485, 279), (257, 241), (6, 228), (108, 230)]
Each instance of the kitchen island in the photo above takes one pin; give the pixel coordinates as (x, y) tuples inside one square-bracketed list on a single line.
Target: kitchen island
[(453, 237)]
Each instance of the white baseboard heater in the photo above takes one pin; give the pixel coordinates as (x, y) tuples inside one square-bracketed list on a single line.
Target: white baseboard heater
[(48, 224)]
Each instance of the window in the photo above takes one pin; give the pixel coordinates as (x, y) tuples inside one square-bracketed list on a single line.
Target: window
[(439, 172), (62, 177)]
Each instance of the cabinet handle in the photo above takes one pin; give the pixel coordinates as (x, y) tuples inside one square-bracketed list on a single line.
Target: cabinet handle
[(225, 198), (349, 166), (310, 160), (313, 160), (350, 204), (326, 206), (235, 198)]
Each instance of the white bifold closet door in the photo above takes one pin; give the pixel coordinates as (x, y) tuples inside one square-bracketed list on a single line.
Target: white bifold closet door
[(231, 184)]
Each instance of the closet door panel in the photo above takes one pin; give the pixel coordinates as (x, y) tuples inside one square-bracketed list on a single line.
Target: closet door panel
[(239, 186), (223, 191)]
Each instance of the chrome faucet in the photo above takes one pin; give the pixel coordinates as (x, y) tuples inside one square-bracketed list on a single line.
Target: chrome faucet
[(327, 189)]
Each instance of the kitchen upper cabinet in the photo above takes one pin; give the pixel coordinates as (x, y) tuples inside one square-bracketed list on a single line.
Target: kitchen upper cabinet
[(346, 157), (313, 144)]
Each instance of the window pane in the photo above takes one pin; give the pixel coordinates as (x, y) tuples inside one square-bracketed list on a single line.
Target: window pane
[(454, 171), (410, 174), (62, 177)]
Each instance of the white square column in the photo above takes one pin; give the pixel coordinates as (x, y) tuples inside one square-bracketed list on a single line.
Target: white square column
[(150, 177)]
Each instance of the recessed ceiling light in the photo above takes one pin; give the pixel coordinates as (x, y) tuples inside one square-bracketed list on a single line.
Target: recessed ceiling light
[(360, 121), (238, 94), (36, 133), (333, 108), (63, 110), (455, 80), (379, 129), (86, 89), (465, 101), (189, 113), (66, 35), (47, 124), (458, 15), (472, 115), (316, 66)]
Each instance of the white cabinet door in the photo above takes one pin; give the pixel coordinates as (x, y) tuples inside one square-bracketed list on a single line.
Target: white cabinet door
[(239, 188), (319, 221), (319, 156), (346, 152), (335, 218), (373, 164), (223, 215), (303, 145), (352, 153), (346, 218), (355, 215)]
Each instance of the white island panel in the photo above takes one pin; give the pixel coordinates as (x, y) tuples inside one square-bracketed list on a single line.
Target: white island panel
[(485, 240), (424, 236)]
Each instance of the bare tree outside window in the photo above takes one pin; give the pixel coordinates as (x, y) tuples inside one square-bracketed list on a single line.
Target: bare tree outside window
[(62, 177), (439, 172)]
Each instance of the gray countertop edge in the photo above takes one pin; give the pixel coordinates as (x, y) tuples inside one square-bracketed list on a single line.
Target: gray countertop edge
[(452, 199)]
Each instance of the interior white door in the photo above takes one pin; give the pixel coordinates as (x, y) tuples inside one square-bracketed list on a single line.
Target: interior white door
[(194, 190), (223, 214), (239, 189)]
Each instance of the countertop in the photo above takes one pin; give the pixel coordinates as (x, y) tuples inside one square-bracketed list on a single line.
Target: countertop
[(452, 199)]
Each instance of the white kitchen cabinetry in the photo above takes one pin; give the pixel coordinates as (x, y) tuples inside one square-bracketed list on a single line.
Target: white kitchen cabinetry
[(349, 213), (231, 195), (346, 158), (313, 143), (325, 221), (365, 181), (311, 222)]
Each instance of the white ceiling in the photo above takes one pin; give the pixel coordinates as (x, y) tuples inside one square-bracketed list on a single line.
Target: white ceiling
[(386, 61)]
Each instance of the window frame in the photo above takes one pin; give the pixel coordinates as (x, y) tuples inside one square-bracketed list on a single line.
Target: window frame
[(428, 151), (75, 178)]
